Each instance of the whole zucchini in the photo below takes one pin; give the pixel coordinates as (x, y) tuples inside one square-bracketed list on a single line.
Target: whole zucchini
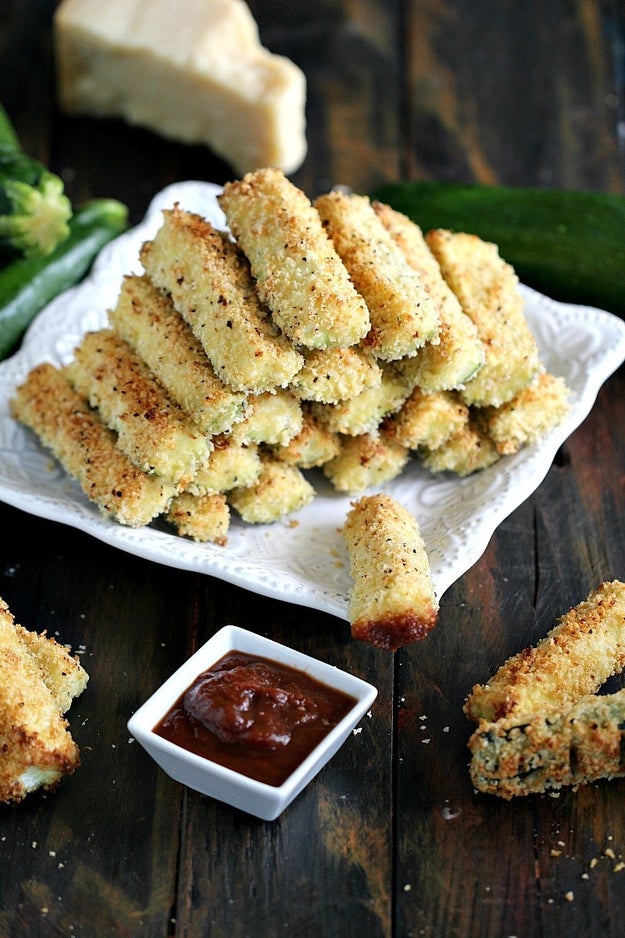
[(27, 284), (569, 244)]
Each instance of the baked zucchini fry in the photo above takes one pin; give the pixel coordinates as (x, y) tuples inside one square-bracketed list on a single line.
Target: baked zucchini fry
[(584, 649), (467, 450), (274, 419), (210, 285), (392, 600), (512, 757), (87, 449), (146, 319), (459, 352), (313, 446), (364, 462), (151, 429), (403, 315), (297, 271), (529, 416), (229, 466), (62, 672), (336, 374), (487, 288), (279, 490), (35, 741), (202, 518), (427, 419), (364, 413)]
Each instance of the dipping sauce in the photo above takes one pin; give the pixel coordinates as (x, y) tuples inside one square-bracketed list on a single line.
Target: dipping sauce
[(254, 715)]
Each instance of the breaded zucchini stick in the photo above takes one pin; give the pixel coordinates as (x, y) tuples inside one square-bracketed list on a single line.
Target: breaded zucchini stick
[(274, 419), (364, 413), (36, 744), (62, 672), (202, 518), (584, 649), (427, 419), (210, 285), (229, 466), (466, 451), (459, 353), (365, 461), (585, 743), (146, 319), (297, 270), (151, 429), (392, 600), (336, 374), (529, 416), (87, 449), (313, 446), (487, 288), (403, 314), (279, 491)]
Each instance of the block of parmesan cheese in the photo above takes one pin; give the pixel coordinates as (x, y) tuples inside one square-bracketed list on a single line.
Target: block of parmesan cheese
[(195, 72)]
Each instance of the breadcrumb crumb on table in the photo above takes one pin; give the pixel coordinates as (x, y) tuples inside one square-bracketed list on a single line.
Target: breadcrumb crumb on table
[(392, 601)]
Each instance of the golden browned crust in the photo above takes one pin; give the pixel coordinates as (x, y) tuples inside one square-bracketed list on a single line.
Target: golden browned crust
[(202, 518), (584, 649), (297, 270), (87, 450), (209, 281), (36, 745), (392, 599), (403, 314), (487, 288)]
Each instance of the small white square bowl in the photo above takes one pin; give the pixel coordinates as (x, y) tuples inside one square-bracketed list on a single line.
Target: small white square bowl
[(217, 781)]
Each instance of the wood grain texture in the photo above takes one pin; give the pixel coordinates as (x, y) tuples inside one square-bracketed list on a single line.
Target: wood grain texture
[(389, 840)]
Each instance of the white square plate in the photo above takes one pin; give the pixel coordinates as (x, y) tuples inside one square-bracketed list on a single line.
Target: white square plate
[(209, 778)]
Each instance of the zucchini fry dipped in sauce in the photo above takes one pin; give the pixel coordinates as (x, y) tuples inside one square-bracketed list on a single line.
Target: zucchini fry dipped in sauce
[(512, 757), (392, 600)]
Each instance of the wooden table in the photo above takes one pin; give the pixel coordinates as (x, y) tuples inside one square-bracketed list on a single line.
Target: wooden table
[(390, 839)]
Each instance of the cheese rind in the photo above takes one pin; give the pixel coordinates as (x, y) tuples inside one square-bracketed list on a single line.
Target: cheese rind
[(200, 78)]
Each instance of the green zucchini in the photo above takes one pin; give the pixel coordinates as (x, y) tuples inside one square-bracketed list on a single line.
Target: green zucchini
[(34, 209), (27, 284), (569, 244)]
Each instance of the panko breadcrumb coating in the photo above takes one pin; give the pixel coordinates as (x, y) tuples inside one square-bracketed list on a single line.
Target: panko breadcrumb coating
[(584, 649), (313, 446), (427, 419), (365, 462), (403, 315), (488, 290), (146, 319), (230, 465), (581, 744), (202, 518), (529, 416), (337, 374), (392, 599), (297, 271), (364, 413), (87, 449), (274, 419), (279, 491), (151, 429), (36, 746), (466, 451), (459, 352), (210, 284)]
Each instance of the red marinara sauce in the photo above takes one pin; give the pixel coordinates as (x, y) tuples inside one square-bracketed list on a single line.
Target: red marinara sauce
[(254, 715)]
